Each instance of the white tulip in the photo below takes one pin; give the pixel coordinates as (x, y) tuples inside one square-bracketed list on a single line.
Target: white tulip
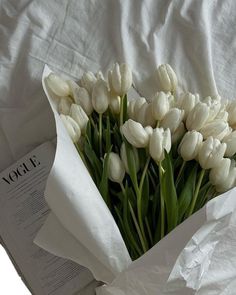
[(222, 115), (100, 97), (188, 102), (172, 119), (130, 109), (120, 79), (100, 75), (231, 108), (178, 134), (220, 173), (88, 81), (217, 129), (149, 120), (114, 103), (123, 154), (64, 105), (82, 97), (141, 114), (230, 141), (78, 114), (137, 106), (149, 130), (214, 107), (211, 152), (160, 105), (197, 117), (116, 169), (190, 144), (224, 175), (144, 115), (59, 86), (167, 77), (72, 127), (160, 141), (135, 134), (73, 86)]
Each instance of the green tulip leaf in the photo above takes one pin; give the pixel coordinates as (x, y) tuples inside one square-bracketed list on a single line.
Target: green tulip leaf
[(169, 193), (187, 192)]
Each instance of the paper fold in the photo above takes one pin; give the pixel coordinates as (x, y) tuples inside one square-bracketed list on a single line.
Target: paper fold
[(78, 206)]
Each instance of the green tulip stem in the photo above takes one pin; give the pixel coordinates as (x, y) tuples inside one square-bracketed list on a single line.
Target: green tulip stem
[(180, 173), (122, 110), (139, 200), (193, 203), (144, 173), (162, 202), (100, 134), (135, 221), (149, 231)]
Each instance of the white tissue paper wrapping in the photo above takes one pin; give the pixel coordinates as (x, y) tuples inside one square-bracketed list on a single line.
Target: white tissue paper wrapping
[(198, 257), (90, 235)]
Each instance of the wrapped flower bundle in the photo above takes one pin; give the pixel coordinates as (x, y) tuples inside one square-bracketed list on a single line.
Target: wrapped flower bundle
[(156, 161)]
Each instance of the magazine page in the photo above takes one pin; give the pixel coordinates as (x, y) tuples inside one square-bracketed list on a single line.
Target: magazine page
[(23, 210)]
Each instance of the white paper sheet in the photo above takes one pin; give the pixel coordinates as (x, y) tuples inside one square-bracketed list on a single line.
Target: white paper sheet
[(23, 211), (73, 197), (205, 266)]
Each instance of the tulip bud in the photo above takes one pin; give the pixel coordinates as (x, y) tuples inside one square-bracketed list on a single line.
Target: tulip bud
[(211, 152), (188, 102), (231, 108), (114, 104), (73, 86), (217, 129), (88, 81), (141, 114), (172, 119), (116, 169), (214, 107), (223, 176), (78, 114), (135, 134), (197, 117), (222, 115), (72, 127), (120, 79), (160, 141), (167, 77), (160, 105), (64, 105), (190, 144), (149, 119), (130, 109), (178, 134), (58, 85), (99, 76), (124, 159), (230, 141), (82, 97), (144, 115), (100, 96), (137, 106), (149, 130)]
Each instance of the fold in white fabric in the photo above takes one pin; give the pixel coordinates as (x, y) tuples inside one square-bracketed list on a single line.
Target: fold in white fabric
[(196, 37)]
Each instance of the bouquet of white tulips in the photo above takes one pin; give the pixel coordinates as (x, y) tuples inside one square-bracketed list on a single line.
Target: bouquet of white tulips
[(155, 161)]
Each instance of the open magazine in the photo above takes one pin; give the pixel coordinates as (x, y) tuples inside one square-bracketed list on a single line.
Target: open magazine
[(23, 211)]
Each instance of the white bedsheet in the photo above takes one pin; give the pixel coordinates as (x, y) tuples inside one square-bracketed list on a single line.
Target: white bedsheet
[(196, 37)]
